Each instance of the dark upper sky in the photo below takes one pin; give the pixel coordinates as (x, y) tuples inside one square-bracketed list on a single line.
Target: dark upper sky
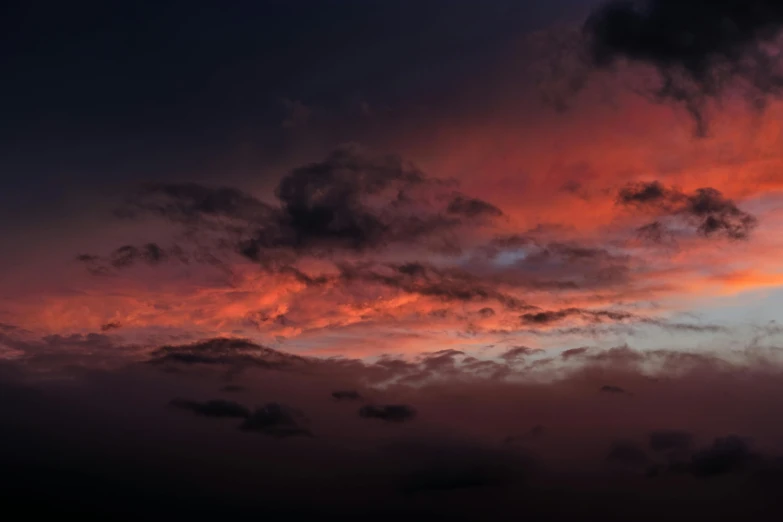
[(164, 84)]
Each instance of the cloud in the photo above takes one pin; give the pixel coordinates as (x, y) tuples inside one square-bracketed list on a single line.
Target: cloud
[(106, 327), (472, 207), (608, 388), (150, 254), (129, 254), (699, 48), (574, 352), (350, 201), (215, 408), (346, 395), (224, 351), (276, 420), (596, 316), (518, 352), (553, 265), (486, 312), (706, 209), (644, 193), (194, 203), (654, 232), (388, 412), (8, 327), (446, 284), (726, 455)]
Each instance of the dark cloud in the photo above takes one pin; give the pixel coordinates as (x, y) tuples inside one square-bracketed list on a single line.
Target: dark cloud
[(700, 48), (518, 352), (686, 327), (551, 317), (608, 388), (654, 232), (111, 326), (719, 215), (540, 251), (574, 352), (150, 254), (215, 408), (350, 201), (225, 351), (486, 312), (127, 255), (346, 395), (645, 193), (442, 359), (449, 284), (8, 328), (191, 202), (232, 388), (731, 454), (706, 209), (325, 201), (670, 440), (388, 412), (276, 420), (472, 207)]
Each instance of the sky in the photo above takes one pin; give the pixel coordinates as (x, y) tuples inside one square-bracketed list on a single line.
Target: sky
[(392, 258)]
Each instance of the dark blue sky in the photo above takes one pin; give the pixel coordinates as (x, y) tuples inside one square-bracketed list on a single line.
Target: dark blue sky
[(97, 92)]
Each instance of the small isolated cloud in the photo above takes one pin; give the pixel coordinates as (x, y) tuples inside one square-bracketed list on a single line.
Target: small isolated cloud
[(388, 412), (114, 325), (346, 395), (276, 420), (574, 352), (608, 388)]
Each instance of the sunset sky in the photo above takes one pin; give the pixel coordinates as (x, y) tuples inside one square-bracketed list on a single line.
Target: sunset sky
[(421, 200)]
